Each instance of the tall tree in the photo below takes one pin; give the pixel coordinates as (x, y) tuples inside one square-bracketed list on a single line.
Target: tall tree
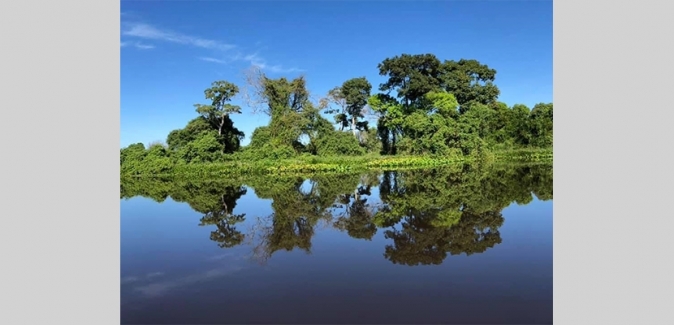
[(410, 76), (356, 93), (470, 81), (274, 97), (336, 97), (286, 102), (220, 93), (391, 118), (217, 113)]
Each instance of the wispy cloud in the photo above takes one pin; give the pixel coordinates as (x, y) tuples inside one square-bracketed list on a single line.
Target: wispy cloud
[(144, 46), (278, 68), (154, 274), (253, 59), (229, 255), (214, 60), (146, 31), (130, 279), (160, 288), (137, 45)]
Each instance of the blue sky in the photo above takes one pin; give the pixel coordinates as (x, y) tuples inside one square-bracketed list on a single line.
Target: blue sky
[(172, 50)]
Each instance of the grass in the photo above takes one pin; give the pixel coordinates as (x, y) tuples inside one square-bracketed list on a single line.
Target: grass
[(305, 165)]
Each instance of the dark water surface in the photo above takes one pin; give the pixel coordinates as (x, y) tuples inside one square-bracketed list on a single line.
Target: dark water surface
[(455, 245)]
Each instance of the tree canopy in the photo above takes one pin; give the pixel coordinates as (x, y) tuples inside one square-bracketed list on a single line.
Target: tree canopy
[(425, 107)]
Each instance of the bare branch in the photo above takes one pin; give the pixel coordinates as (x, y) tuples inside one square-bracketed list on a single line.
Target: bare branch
[(259, 233), (253, 91)]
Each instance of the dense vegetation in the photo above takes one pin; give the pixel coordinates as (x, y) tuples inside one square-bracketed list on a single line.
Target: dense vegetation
[(425, 214), (446, 110)]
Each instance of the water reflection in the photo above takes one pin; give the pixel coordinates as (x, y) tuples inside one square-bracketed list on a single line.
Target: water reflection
[(424, 214)]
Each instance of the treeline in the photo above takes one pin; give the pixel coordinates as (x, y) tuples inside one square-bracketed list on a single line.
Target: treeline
[(426, 107), (438, 212)]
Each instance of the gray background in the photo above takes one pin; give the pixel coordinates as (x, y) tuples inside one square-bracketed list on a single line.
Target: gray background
[(60, 172)]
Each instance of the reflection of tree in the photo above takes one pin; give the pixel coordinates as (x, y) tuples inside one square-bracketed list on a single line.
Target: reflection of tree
[(157, 189), (225, 234), (357, 221), (430, 213), (215, 199), (419, 242), (357, 218), (426, 214), (297, 212)]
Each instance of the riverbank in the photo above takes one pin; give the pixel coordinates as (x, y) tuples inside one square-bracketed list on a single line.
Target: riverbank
[(315, 164)]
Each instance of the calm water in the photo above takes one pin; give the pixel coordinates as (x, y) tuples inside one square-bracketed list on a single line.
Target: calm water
[(423, 246)]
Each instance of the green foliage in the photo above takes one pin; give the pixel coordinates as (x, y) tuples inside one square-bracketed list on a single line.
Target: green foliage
[(470, 81), (541, 125), (356, 92), (370, 141), (260, 137), (518, 125), (410, 76), (283, 95), (425, 134), (342, 120), (205, 148), (217, 114), (443, 103), (136, 160), (448, 110), (179, 138), (338, 144), (391, 117)]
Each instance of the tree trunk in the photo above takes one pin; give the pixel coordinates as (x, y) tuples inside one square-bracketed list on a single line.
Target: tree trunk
[(353, 126)]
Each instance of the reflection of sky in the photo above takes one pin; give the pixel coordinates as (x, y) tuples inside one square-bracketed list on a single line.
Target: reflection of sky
[(169, 263)]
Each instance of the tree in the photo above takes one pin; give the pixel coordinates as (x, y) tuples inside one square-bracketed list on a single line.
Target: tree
[(424, 107), (220, 93), (274, 97), (336, 97), (287, 103), (541, 124), (443, 103), (470, 82), (180, 137), (518, 124), (391, 117), (206, 147), (356, 92), (217, 113), (410, 76), (498, 124)]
